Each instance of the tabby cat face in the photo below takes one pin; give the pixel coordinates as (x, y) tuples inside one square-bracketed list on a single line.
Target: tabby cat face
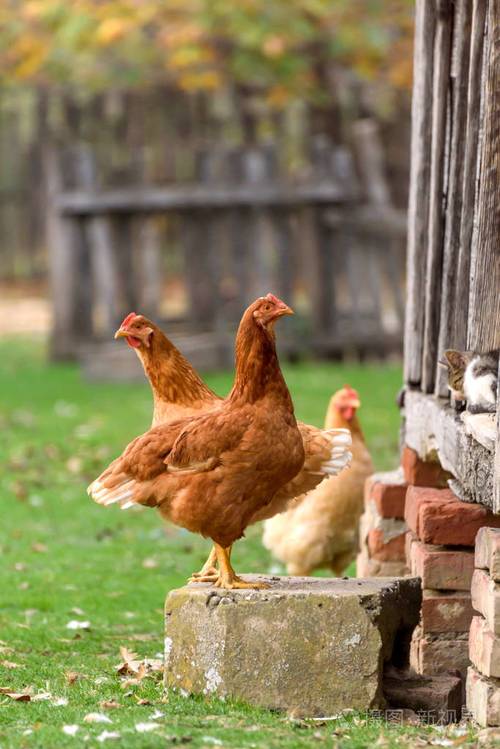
[(456, 362)]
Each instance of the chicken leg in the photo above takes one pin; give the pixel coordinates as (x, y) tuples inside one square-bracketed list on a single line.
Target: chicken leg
[(208, 573), (227, 577)]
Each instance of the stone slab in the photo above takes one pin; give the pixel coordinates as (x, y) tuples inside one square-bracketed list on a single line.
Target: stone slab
[(441, 567), (483, 698), (487, 555), (484, 648), (313, 646), (485, 594)]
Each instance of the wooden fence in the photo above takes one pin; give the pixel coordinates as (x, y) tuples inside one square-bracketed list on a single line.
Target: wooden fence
[(238, 232), (453, 226)]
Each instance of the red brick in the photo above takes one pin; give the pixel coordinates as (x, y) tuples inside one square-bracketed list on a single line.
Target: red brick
[(390, 550), (441, 568), (433, 654), (388, 491), (417, 496), (484, 648), (418, 472), (488, 551), (437, 517), (486, 599), (366, 567), (446, 612)]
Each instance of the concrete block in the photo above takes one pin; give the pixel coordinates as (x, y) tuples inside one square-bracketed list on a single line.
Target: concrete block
[(441, 568), (485, 594), (487, 555), (447, 611), (311, 645), (484, 648), (483, 698)]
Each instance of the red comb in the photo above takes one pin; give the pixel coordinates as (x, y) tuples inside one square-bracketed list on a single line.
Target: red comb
[(128, 319), (350, 390), (271, 298)]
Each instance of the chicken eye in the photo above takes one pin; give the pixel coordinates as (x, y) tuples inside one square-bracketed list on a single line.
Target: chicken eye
[(267, 307)]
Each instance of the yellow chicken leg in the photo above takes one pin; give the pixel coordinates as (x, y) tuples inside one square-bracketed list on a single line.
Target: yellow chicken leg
[(227, 577), (208, 573)]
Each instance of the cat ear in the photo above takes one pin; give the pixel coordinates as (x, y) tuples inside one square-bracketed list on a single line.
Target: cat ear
[(456, 359)]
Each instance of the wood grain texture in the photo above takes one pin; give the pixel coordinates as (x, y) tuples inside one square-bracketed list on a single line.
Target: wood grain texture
[(459, 83), (419, 185), (460, 320), (433, 272), (496, 468), (484, 298)]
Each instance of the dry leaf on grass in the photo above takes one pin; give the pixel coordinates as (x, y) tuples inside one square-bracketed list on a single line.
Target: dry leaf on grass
[(75, 624), (143, 701), (24, 696), (146, 727), (9, 664), (72, 676), (109, 704), (97, 718), (106, 735), (70, 730), (39, 547)]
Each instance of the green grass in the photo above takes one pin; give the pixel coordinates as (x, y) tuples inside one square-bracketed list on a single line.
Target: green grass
[(63, 558)]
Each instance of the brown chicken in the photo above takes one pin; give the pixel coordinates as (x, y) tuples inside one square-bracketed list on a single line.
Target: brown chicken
[(212, 473), (321, 529), (178, 391)]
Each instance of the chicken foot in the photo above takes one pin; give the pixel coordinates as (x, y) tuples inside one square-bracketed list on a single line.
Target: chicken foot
[(227, 577), (208, 573)]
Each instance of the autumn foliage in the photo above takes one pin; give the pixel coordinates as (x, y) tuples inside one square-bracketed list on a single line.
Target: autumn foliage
[(276, 47)]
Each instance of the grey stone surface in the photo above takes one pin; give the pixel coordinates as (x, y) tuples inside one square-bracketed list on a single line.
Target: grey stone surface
[(313, 646)]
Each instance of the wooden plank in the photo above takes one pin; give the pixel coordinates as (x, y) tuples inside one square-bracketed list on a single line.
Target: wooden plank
[(179, 197), (419, 186), (496, 467), (150, 269), (442, 44), (459, 331), (433, 428), (459, 81), (484, 299), (68, 268)]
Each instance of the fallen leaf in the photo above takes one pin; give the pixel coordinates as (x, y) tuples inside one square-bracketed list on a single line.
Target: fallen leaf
[(105, 735), (140, 674), (109, 704), (70, 730), (9, 664), (149, 563), (77, 610), (24, 696), (39, 547), (75, 624), (72, 676), (60, 702), (143, 702), (146, 727), (41, 696), (97, 718)]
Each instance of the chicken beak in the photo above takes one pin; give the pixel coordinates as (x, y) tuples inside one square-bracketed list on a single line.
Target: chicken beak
[(285, 310), (121, 333)]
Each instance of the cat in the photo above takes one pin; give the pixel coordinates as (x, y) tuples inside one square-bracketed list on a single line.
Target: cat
[(473, 377)]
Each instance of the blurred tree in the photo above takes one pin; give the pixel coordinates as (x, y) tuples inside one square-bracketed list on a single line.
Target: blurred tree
[(277, 49)]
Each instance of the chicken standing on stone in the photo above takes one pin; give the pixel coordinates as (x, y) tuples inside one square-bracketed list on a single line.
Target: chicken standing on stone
[(212, 473), (179, 391), (321, 529)]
